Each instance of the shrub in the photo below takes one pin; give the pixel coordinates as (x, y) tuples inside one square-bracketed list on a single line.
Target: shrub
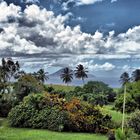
[(128, 134), (50, 111), (97, 93), (129, 106), (33, 113), (7, 101), (134, 121), (132, 97), (5, 107), (49, 89)]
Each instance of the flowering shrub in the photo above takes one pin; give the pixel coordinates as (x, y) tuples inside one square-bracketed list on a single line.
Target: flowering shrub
[(53, 112)]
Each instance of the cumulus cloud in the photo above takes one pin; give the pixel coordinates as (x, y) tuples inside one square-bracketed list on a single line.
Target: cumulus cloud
[(38, 32), (67, 4), (88, 1), (30, 1)]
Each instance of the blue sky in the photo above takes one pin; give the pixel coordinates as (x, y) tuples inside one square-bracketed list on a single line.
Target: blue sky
[(103, 35)]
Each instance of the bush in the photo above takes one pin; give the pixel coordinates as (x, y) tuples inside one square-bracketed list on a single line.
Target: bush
[(128, 134), (97, 93), (7, 101), (50, 111), (132, 97), (130, 105), (134, 121), (5, 107), (33, 113)]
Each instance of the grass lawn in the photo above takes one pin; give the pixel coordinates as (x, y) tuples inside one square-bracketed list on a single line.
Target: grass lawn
[(116, 116), (63, 87), (7, 133)]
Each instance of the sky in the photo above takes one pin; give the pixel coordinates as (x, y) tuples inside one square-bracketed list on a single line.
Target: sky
[(103, 35)]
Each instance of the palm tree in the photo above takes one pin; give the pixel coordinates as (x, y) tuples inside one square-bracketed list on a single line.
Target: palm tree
[(66, 75), (41, 75), (124, 79), (81, 72), (136, 75)]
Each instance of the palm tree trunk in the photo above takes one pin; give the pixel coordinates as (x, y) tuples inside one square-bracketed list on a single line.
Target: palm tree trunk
[(83, 81), (124, 100)]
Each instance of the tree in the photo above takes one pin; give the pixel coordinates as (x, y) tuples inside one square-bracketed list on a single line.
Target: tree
[(136, 75), (81, 72), (41, 75), (124, 78), (8, 69), (66, 75), (25, 85)]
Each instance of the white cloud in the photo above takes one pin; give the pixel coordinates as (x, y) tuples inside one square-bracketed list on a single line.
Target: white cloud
[(30, 1), (38, 31), (8, 11), (113, 1), (105, 67), (88, 1), (65, 5)]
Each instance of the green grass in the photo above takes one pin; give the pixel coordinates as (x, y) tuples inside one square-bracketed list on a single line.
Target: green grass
[(7, 133), (116, 115), (63, 87)]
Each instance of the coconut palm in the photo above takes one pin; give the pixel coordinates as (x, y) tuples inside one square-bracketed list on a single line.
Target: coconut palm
[(124, 79), (66, 75), (81, 72), (41, 75), (136, 75)]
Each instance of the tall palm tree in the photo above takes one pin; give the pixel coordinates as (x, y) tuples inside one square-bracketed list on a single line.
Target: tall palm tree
[(41, 75), (81, 72), (136, 75), (66, 75), (124, 79)]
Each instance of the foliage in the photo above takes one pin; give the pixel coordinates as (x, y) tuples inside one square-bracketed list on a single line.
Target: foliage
[(111, 135), (136, 75), (134, 121), (7, 101), (8, 70), (50, 111), (81, 72), (27, 84), (130, 104), (124, 78), (95, 92), (132, 98), (5, 107), (128, 134), (66, 75), (41, 75)]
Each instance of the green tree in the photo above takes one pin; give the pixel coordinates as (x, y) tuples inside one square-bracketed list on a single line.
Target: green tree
[(81, 72), (27, 84), (124, 78), (66, 75), (41, 75), (136, 75), (8, 70)]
